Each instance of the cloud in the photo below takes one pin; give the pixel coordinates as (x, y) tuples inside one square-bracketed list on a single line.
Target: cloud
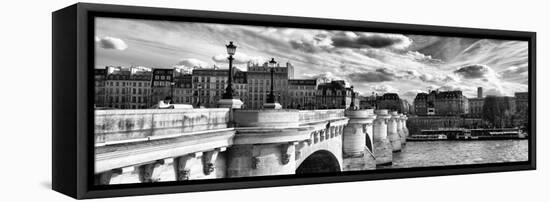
[(514, 70), (379, 75), (494, 92), (325, 77), (481, 72), (192, 62), (434, 78), (451, 78), (371, 40), (475, 71), (417, 56), (412, 93), (383, 88), (108, 42), (318, 43), (239, 58), (450, 87)]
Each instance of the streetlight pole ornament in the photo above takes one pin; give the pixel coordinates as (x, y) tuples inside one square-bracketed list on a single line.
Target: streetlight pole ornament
[(271, 96), (229, 92)]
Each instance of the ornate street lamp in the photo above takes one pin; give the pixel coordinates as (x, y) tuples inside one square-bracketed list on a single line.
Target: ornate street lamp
[(271, 103), (229, 92), (352, 104), (271, 96)]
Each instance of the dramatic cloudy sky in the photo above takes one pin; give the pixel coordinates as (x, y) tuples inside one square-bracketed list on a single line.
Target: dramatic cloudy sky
[(371, 62)]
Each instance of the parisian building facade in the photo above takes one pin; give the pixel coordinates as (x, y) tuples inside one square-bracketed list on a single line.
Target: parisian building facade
[(390, 101), (123, 88), (141, 88), (443, 103)]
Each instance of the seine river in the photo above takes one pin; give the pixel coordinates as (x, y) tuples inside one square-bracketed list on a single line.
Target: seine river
[(439, 153)]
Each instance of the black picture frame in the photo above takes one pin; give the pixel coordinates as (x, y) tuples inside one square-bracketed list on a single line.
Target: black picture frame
[(72, 99)]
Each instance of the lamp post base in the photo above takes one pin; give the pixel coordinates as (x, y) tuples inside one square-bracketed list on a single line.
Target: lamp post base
[(230, 103), (272, 106)]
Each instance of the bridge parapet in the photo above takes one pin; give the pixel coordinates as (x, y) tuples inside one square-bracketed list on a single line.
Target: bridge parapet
[(181, 144), (119, 126), (312, 116), (146, 141)]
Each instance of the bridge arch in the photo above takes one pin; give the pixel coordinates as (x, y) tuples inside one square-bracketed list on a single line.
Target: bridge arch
[(321, 161)]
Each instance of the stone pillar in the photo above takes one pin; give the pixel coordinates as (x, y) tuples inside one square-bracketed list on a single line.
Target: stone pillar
[(355, 132), (357, 154), (400, 130), (392, 132), (265, 143), (382, 146)]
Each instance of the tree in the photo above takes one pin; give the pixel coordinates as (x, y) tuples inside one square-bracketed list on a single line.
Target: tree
[(496, 111)]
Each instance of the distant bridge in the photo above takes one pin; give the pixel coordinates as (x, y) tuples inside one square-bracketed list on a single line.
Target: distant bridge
[(151, 145)]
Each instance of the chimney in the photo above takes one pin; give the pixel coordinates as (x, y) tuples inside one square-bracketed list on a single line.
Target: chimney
[(479, 92)]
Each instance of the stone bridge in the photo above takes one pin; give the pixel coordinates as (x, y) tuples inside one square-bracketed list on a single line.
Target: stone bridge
[(152, 145)]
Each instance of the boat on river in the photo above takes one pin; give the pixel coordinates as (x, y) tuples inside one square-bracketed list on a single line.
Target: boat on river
[(468, 134)]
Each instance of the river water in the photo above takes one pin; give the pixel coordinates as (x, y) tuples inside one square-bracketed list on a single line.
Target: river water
[(440, 153)]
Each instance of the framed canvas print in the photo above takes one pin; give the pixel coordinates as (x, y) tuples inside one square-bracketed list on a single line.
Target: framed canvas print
[(155, 100)]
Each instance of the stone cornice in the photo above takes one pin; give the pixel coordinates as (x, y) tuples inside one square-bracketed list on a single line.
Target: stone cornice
[(263, 135), (127, 154)]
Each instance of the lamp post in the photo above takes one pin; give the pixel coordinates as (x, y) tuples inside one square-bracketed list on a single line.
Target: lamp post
[(271, 103), (271, 96), (231, 49), (228, 98)]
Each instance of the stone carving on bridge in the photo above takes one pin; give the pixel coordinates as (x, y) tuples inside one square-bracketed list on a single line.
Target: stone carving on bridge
[(286, 152), (255, 162), (209, 160), (104, 178), (182, 166), (146, 171)]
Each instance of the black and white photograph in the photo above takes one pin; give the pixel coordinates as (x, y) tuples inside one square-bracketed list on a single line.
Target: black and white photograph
[(184, 101)]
